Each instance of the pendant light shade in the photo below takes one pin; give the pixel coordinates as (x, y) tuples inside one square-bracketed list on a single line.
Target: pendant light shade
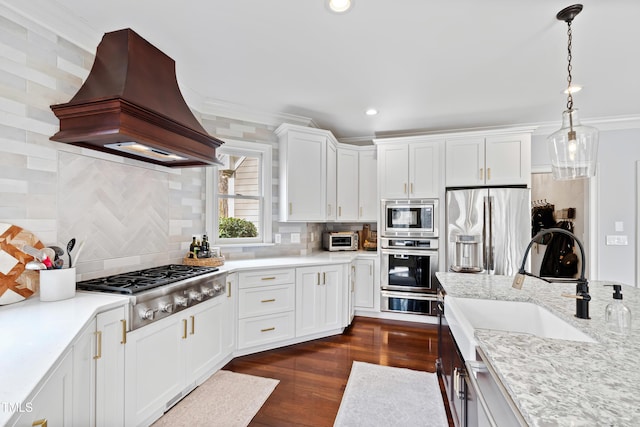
[(573, 148)]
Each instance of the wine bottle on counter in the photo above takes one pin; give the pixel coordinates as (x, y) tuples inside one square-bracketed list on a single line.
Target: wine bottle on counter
[(192, 248), (204, 251), (197, 249)]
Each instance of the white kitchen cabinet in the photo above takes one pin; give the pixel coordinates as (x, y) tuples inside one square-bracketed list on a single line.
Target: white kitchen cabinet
[(501, 159), (85, 350), (348, 203), (332, 182), (230, 315), (266, 305), (367, 185), (364, 283), (409, 167), (166, 359), (304, 168), (321, 292), (52, 403)]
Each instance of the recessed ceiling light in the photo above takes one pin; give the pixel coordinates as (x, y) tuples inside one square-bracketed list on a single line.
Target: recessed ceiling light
[(340, 6), (371, 112), (573, 89)]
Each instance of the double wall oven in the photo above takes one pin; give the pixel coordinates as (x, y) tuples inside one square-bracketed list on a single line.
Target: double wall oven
[(409, 248)]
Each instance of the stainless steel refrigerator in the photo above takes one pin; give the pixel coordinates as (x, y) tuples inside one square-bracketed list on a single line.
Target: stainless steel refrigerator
[(488, 229)]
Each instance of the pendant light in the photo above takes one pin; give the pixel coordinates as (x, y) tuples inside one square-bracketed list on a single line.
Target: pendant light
[(574, 147)]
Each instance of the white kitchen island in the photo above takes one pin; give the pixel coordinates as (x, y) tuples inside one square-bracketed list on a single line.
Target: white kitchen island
[(558, 382)]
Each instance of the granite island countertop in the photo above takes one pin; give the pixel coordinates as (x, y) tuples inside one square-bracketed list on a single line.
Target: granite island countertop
[(557, 382)]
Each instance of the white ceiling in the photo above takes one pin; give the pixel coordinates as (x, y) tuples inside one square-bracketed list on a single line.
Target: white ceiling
[(426, 65)]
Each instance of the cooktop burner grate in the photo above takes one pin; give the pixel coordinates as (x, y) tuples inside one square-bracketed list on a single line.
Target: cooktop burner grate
[(142, 280)]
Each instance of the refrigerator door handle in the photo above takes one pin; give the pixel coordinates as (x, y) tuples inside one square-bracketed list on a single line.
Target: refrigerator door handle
[(490, 244)]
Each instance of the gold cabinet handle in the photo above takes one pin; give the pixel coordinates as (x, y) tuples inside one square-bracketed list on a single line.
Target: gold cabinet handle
[(324, 278), (290, 208), (184, 329), (481, 173), (228, 289), (339, 210), (405, 188), (98, 346), (411, 188), (124, 331), (268, 329), (193, 324), (268, 278), (361, 211), (268, 300), (42, 422), (318, 279), (488, 174)]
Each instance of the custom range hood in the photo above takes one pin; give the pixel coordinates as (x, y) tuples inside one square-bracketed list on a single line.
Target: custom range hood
[(130, 105)]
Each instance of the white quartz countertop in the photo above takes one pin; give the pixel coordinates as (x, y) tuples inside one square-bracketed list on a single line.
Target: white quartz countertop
[(341, 257), (34, 334), (33, 337), (556, 382)]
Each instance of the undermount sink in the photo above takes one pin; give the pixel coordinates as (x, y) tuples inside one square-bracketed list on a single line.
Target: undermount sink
[(465, 315)]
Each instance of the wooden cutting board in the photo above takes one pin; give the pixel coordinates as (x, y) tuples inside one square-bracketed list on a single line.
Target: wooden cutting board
[(16, 283)]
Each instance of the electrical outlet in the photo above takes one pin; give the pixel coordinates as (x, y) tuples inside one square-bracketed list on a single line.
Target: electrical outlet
[(295, 237), (617, 240), (312, 236), (278, 238)]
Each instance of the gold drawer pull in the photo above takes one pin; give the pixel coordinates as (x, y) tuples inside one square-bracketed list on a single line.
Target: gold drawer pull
[(193, 325), (98, 351), (228, 289), (42, 422), (268, 329), (269, 278), (184, 329), (268, 300), (488, 174), (124, 331)]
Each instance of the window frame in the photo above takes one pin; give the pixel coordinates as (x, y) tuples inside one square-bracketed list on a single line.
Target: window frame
[(235, 147)]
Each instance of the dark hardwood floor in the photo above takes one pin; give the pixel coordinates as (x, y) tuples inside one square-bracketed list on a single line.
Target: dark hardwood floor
[(313, 375)]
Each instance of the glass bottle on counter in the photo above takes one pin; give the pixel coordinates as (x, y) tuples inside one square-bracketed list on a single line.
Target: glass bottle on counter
[(192, 248), (617, 315)]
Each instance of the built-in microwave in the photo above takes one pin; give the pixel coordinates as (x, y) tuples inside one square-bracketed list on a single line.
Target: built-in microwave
[(410, 218)]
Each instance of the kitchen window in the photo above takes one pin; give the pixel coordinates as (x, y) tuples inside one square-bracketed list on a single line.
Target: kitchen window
[(239, 194)]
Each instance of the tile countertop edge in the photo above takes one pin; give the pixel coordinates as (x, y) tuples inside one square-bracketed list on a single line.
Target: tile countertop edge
[(35, 335), (556, 382)]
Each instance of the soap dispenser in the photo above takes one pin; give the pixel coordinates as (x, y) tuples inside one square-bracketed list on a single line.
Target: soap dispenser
[(617, 316)]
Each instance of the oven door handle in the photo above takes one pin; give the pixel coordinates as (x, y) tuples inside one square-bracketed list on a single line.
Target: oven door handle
[(405, 253), (408, 295)]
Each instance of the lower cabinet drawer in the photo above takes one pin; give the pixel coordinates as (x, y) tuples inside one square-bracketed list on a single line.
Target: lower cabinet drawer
[(266, 300), (265, 329)]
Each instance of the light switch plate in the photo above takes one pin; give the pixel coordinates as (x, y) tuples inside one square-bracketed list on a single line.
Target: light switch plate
[(619, 225), (295, 237), (617, 240)]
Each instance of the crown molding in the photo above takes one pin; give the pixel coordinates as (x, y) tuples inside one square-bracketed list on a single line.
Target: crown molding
[(214, 107)]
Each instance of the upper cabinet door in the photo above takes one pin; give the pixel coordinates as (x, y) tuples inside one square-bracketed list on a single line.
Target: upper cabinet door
[(489, 160), (465, 162), (508, 159), (367, 184), (347, 184), (393, 171), (303, 173), (424, 169)]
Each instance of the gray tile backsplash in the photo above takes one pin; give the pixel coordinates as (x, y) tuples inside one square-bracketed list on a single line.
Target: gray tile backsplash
[(131, 214)]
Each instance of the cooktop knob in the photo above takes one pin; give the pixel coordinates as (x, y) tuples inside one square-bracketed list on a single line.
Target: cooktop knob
[(217, 287), (209, 291), (166, 307), (181, 301), (147, 314), (195, 295)]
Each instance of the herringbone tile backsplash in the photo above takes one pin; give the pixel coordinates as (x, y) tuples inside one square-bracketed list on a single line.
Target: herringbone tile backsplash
[(120, 210)]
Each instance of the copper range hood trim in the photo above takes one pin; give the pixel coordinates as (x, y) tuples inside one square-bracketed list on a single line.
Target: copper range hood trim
[(132, 96)]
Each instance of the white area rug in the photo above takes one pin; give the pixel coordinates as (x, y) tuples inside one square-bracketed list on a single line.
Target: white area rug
[(384, 396), (227, 399)]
